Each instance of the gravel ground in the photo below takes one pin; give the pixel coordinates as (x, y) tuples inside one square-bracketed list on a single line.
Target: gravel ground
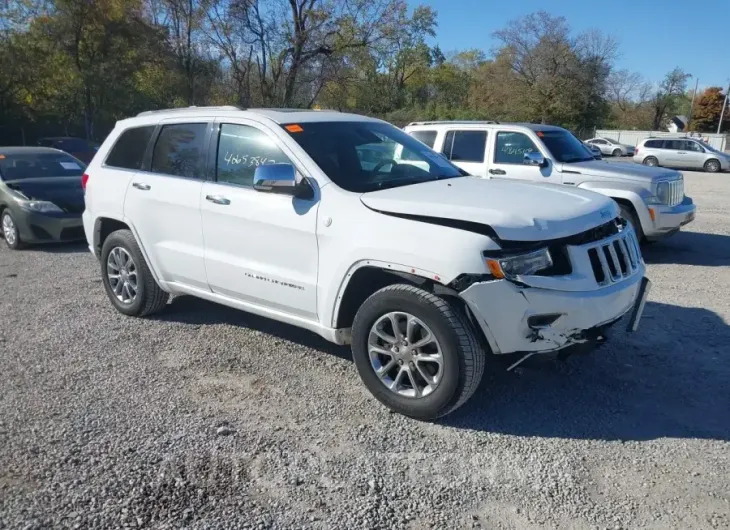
[(205, 417)]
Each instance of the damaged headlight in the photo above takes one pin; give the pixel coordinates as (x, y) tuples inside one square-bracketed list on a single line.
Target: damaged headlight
[(520, 264)]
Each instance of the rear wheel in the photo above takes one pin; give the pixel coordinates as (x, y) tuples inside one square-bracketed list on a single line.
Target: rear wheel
[(651, 161), (10, 231), (416, 352), (616, 152), (712, 166), (127, 279)]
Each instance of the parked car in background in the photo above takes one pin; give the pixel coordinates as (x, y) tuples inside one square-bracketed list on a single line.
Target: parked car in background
[(595, 151), (79, 148), (307, 218), (651, 198), (687, 153), (612, 147), (41, 199)]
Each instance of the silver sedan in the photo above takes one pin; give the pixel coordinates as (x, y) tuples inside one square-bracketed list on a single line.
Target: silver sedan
[(612, 147)]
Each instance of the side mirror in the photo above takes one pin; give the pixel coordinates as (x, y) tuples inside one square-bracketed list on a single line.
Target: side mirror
[(275, 178), (534, 158)]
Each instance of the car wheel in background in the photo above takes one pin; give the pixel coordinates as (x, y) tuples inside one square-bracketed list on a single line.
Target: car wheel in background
[(10, 231), (127, 279), (628, 213), (651, 161), (415, 352), (712, 166), (616, 152)]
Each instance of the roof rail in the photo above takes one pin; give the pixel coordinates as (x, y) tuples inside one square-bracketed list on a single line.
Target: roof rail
[(188, 109), (455, 122)]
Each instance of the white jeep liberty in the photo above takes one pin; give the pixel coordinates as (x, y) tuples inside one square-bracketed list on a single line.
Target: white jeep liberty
[(304, 217)]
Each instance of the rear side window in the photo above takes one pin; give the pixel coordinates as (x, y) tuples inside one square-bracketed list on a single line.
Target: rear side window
[(179, 150), (654, 144), (128, 152), (465, 146), (426, 137), (241, 149), (675, 145)]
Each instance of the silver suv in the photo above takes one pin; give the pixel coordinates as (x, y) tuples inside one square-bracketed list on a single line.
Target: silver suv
[(688, 153)]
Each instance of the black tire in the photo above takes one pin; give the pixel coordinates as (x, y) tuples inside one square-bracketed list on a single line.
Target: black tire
[(150, 298), (463, 358), (628, 213), (616, 152), (17, 243), (651, 161), (713, 166)]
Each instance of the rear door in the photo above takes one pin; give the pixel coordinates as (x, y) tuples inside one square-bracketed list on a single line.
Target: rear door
[(507, 159), (260, 248), (673, 154), (467, 148), (163, 201)]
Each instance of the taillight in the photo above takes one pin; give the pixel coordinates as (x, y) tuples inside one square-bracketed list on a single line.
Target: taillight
[(84, 180), (636, 151)]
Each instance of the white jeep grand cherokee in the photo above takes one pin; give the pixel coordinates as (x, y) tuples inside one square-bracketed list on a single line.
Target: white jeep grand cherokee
[(304, 217)]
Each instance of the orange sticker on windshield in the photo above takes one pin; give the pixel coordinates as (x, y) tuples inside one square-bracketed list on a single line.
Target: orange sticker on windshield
[(294, 128), (2, 156), (540, 134)]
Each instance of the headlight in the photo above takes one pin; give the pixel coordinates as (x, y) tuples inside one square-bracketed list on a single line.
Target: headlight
[(40, 206), (521, 264), (662, 192)]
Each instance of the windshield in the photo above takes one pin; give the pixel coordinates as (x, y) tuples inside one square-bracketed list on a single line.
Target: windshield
[(365, 156), (39, 165), (707, 146), (565, 147)]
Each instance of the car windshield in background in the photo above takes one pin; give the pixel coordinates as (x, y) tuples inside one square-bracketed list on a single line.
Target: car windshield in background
[(39, 165), (367, 156), (708, 146), (565, 147)]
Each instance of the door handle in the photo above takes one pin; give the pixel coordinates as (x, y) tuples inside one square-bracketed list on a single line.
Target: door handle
[(497, 172), (217, 199), (141, 186)]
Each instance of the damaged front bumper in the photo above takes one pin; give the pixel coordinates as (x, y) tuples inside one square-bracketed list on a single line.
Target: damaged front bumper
[(532, 320)]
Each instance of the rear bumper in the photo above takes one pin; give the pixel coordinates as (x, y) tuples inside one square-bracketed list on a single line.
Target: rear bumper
[(669, 219), (513, 317), (47, 228)]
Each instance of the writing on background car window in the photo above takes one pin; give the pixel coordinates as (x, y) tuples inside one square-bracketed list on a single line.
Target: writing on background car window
[(237, 159)]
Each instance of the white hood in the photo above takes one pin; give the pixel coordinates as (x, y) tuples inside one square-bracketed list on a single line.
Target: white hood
[(621, 170), (517, 211)]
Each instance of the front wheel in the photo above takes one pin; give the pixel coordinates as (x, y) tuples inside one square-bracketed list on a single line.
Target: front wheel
[(628, 213), (712, 166), (415, 352), (616, 152), (10, 231)]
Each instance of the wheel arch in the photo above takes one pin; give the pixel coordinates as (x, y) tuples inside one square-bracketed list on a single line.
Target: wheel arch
[(103, 227)]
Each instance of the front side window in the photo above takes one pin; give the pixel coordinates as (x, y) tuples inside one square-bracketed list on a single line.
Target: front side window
[(241, 149), (465, 146), (564, 146), (354, 155), (693, 146), (179, 150), (21, 166), (128, 151), (512, 147)]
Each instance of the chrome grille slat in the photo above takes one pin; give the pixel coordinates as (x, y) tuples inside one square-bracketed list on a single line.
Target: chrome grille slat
[(621, 248), (614, 258)]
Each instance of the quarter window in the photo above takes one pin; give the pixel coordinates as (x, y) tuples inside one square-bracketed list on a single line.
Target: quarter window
[(179, 150), (426, 137), (128, 152), (512, 148), (241, 149), (465, 146), (654, 144)]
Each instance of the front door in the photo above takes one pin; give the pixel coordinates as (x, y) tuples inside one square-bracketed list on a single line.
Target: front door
[(164, 202), (260, 247), (508, 159)]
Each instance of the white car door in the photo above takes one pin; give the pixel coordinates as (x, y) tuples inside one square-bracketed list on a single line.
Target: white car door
[(163, 201), (260, 247), (467, 149), (507, 158)]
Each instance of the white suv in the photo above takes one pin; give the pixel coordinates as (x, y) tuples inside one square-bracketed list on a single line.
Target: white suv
[(651, 198), (306, 218)]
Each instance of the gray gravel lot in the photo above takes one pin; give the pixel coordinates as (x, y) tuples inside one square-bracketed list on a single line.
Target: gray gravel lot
[(205, 417)]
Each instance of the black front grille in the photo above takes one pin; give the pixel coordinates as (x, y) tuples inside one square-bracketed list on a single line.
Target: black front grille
[(598, 233), (73, 233), (73, 208), (596, 265)]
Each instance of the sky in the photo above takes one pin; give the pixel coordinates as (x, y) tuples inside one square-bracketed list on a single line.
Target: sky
[(654, 35)]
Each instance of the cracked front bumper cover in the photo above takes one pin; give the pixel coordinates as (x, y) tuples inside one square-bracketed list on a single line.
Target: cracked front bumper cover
[(503, 310)]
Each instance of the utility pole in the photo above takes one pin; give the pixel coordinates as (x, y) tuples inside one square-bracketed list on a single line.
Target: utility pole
[(692, 105), (722, 114)]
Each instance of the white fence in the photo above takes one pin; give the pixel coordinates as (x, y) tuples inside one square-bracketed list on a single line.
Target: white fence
[(718, 141)]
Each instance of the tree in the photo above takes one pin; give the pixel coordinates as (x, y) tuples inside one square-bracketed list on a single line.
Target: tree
[(707, 110), (667, 99)]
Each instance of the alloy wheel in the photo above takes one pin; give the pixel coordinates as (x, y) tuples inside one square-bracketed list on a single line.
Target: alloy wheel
[(405, 355), (713, 166), (122, 274), (9, 230)]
